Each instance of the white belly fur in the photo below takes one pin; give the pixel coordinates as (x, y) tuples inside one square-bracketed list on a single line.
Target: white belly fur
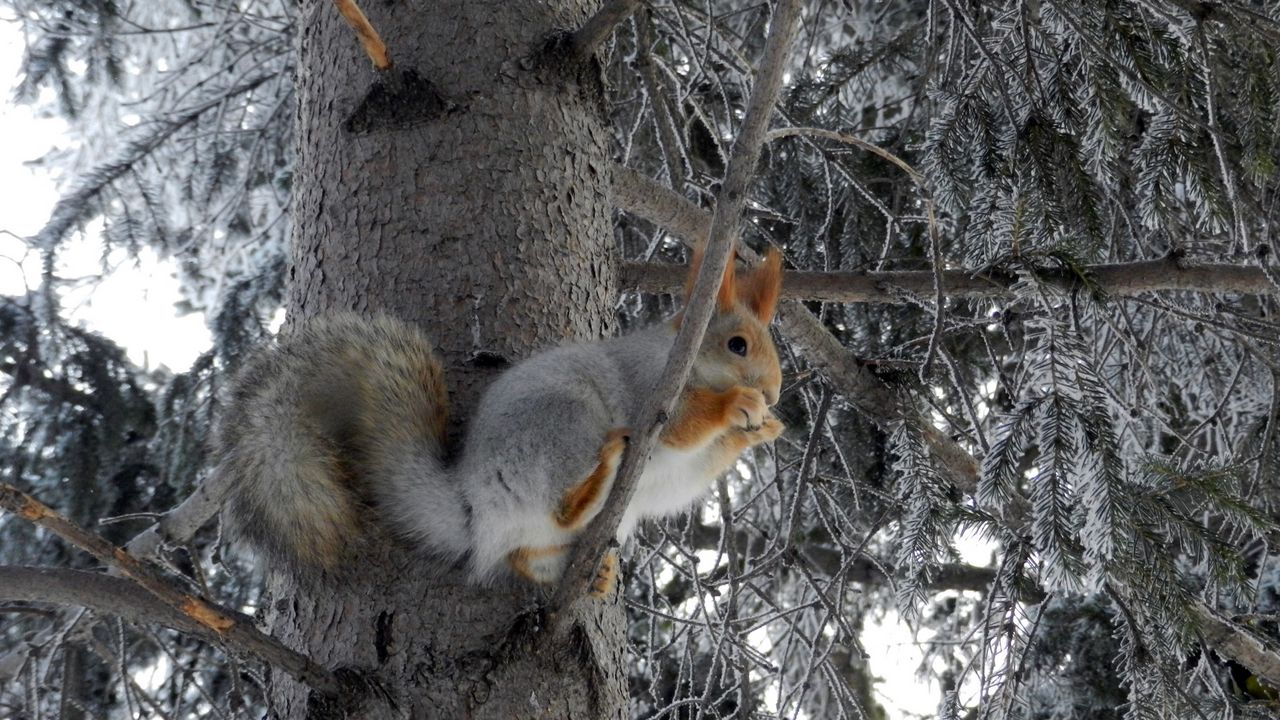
[(671, 482)]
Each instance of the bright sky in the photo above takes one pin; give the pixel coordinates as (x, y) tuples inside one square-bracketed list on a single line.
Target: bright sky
[(134, 304)]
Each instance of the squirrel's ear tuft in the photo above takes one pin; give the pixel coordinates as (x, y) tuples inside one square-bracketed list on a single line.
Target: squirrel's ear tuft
[(727, 296), (760, 290)]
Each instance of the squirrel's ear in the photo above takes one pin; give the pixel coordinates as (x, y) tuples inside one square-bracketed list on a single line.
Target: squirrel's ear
[(760, 290), (727, 296)]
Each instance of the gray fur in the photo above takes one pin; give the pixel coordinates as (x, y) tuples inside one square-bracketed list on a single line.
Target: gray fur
[(540, 425), (305, 434), (348, 413)]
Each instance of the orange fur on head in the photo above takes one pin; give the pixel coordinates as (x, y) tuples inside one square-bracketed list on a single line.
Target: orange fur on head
[(760, 290), (727, 296)]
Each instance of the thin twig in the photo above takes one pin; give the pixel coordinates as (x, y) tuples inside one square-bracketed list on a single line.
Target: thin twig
[(935, 235), (730, 202), (847, 139), (232, 628), (664, 120), (369, 38)]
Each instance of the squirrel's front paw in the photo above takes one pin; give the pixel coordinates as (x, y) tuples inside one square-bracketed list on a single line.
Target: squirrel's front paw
[(768, 431), (770, 428), (747, 408)]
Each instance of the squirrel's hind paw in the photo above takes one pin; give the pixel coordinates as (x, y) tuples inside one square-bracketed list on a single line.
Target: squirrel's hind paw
[(541, 565), (607, 577)]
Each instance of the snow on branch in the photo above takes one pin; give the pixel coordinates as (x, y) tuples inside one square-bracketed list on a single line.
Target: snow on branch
[(76, 206), (180, 523)]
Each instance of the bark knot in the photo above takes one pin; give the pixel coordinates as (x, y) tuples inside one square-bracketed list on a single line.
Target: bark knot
[(401, 98)]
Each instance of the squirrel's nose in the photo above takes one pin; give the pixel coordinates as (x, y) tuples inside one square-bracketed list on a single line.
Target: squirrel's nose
[(770, 396)]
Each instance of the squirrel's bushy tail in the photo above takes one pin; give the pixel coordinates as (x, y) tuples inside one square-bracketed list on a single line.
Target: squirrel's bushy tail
[(343, 413)]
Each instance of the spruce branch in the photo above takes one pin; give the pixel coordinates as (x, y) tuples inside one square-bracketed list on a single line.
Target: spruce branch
[(231, 628), (722, 232), (898, 287), (74, 207), (1244, 19), (1165, 99), (369, 38), (931, 214), (877, 401)]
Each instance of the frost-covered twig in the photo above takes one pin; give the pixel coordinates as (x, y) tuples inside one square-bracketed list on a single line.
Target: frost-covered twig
[(180, 523)]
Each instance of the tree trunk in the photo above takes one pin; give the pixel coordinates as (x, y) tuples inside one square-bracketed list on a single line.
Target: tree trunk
[(464, 190)]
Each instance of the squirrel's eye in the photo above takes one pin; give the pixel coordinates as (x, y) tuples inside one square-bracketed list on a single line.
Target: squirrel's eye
[(738, 345)]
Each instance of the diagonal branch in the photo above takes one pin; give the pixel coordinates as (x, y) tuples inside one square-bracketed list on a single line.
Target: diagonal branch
[(232, 628), (181, 522), (637, 194), (723, 230)]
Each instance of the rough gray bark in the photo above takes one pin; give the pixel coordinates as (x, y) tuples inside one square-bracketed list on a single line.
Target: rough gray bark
[(466, 191)]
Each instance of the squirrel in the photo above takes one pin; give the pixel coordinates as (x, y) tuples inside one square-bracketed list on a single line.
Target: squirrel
[(346, 418)]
